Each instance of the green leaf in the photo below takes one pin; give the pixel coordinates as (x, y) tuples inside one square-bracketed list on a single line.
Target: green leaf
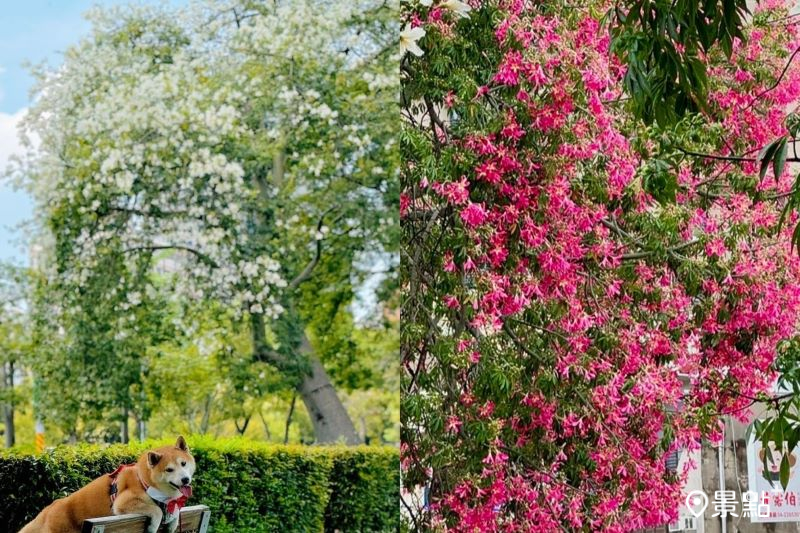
[(795, 239), (777, 433), (765, 471), (780, 158), (784, 474), (765, 156), (788, 206), (794, 438)]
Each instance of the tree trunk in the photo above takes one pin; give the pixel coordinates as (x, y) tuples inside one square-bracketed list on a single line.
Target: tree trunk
[(364, 436), (289, 419), (138, 421), (241, 429), (124, 434), (206, 420), (7, 379), (328, 415), (266, 426), (11, 437)]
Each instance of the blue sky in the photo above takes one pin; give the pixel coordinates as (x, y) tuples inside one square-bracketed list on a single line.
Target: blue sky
[(30, 30)]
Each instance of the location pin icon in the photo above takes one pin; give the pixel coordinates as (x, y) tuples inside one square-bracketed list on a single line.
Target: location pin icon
[(696, 502)]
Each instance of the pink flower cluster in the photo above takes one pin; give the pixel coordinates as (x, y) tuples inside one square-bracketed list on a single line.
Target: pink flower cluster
[(565, 281)]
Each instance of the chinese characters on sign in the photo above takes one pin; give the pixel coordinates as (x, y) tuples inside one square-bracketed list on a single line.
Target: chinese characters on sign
[(782, 505)]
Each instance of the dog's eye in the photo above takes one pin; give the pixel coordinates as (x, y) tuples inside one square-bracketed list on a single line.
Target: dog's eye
[(183, 463), (170, 469)]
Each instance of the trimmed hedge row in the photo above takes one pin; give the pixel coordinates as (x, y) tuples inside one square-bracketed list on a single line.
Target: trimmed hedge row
[(250, 487)]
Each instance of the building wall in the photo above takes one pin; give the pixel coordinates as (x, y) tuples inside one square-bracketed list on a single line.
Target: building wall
[(693, 482)]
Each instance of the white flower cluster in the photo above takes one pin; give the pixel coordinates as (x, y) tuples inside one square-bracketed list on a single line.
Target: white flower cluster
[(141, 132), (135, 140)]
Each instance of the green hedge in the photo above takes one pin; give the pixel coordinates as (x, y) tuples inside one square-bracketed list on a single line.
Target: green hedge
[(250, 487)]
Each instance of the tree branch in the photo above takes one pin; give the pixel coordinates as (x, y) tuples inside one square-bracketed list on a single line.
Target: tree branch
[(777, 81), (734, 158), (306, 272), (718, 157), (672, 250), (516, 340), (156, 247), (155, 212), (261, 350)]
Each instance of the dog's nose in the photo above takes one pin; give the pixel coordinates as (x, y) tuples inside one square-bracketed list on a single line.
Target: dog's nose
[(186, 480)]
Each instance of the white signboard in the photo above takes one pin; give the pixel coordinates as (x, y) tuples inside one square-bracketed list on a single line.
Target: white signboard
[(783, 505)]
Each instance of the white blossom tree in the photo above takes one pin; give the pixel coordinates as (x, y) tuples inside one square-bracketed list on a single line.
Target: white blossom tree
[(236, 153)]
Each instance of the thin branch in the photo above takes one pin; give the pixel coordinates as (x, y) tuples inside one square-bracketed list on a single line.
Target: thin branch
[(289, 419), (306, 273), (777, 81), (155, 212), (672, 250), (718, 157), (156, 247), (411, 513), (785, 19), (734, 158), (261, 350), (516, 340), (770, 399)]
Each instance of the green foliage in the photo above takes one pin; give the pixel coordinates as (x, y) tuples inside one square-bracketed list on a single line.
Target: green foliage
[(662, 42), (364, 490), (775, 153), (249, 487), (375, 404), (659, 181)]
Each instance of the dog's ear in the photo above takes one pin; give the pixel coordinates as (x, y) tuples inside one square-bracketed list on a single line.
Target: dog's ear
[(153, 458), (181, 444)]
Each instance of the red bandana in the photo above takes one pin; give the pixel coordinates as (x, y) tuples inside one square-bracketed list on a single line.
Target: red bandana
[(176, 504)]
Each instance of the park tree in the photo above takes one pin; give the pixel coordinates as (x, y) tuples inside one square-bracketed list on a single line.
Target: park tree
[(375, 403), (88, 348), (570, 270), (15, 344), (236, 154), (228, 388)]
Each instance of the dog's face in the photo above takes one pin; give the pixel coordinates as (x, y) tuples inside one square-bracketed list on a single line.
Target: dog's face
[(172, 469)]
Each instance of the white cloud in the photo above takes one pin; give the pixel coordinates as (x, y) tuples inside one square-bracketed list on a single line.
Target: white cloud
[(9, 139), (15, 205)]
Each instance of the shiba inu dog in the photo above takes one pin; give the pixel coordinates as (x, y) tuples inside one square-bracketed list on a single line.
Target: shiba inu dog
[(156, 486)]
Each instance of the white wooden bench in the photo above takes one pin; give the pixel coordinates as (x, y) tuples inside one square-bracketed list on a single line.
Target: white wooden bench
[(194, 519)]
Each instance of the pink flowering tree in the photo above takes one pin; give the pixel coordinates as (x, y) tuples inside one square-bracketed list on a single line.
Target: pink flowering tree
[(584, 293)]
